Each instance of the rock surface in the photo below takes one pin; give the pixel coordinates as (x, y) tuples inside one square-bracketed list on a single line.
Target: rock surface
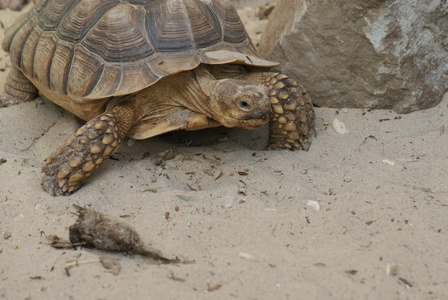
[(365, 54), (13, 4)]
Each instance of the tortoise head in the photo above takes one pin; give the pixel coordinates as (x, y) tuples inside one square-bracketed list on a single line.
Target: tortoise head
[(237, 103)]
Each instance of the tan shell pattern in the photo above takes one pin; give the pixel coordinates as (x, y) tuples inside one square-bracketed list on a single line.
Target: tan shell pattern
[(92, 49)]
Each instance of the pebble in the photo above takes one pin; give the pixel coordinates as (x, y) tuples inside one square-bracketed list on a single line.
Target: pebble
[(7, 235), (19, 217), (170, 166), (388, 162), (131, 142), (106, 285), (245, 255), (40, 208), (313, 204), (391, 269), (340, 127), (228, 201)]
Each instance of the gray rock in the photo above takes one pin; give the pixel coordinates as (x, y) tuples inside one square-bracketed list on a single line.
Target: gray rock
[(363, 53)]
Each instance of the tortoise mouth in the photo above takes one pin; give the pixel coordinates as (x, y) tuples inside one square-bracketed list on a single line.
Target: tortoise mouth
[(253, 123), (247, 122)]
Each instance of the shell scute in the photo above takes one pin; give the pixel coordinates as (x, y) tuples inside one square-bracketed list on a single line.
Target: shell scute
[(119, 36), (43, 56), (80, 19), (62, 60), (86, 69), (52, 13)]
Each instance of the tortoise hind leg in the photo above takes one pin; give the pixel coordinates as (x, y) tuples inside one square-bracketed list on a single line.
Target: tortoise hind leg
[(17, 89), (292, 117), (82, 154)]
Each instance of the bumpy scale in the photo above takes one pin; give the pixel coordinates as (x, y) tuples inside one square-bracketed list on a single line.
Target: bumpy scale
[(292, 115)]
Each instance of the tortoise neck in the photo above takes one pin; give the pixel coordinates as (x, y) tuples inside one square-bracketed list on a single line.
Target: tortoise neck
[(183, 90), (201, 85)]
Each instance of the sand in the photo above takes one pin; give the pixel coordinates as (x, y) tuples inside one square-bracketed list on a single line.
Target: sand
[(361, 215)]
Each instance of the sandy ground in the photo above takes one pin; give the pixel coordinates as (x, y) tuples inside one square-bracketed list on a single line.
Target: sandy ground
[(244, 218)]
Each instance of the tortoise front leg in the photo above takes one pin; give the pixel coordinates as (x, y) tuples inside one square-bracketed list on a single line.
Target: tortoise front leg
[(292, 116), (17, 89), (82, 154)]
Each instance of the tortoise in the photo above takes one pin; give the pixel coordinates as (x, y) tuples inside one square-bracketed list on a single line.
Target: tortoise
[(140, 68)]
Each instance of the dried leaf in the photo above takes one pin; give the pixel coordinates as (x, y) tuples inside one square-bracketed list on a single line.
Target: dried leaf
[(214, 288), (351, 272), (57, 242), (170, 166), (405, 281), (187, 199), (215, 173), (176, 278), (153, 190), (164, 156), (100, 231)]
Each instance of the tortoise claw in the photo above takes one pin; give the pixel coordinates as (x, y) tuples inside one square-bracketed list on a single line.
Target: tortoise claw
[(6, 101), (50, 184)]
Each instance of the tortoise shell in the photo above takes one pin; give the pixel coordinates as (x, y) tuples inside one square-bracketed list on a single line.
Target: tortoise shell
[(83, 50)]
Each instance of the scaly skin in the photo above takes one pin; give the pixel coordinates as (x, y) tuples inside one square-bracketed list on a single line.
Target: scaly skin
[(292, 116), (82, 154), (18, 89)]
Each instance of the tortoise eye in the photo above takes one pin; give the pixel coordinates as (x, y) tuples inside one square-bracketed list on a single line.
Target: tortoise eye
[(244, 105)]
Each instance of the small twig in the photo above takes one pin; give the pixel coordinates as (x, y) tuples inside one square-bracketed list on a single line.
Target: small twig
[(76, 263)]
